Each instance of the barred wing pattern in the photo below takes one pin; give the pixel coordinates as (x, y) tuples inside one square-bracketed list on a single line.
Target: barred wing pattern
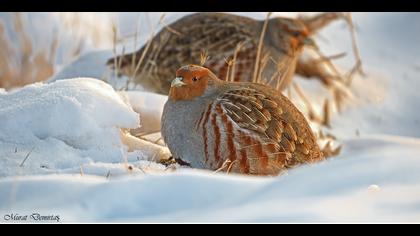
[(254, 133), (183, 42)]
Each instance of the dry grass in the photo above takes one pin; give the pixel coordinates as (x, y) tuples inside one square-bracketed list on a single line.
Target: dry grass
[(235, 56), (227, 164), (108, 174), (313, 116), (22, 62), (260, 44), (23, 65), (82, 173), (358, 66), (339, 83), (204, 56), (26, 157), (146, 62), (149, 43), (229, 63), (326, 121)]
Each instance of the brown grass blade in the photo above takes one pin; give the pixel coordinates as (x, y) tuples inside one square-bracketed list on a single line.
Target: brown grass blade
[(260, 44)]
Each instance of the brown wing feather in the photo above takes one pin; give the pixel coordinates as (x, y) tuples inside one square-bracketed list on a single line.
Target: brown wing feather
[(273, 122), (216, 33)]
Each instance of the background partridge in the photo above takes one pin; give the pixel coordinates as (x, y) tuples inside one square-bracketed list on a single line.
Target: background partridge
[(240, 127), (225, 37)]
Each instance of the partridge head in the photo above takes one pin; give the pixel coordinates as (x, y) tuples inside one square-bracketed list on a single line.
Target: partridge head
[(241, 127)]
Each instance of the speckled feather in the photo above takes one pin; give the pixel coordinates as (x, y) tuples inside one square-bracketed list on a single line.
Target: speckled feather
[(252, 125), (219, 34)]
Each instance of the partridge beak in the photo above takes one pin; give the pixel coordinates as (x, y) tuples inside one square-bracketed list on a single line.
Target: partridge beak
[(310, 42), (177, 82)]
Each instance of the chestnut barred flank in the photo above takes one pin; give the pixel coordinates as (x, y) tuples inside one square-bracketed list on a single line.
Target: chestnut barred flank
[(250, 126)]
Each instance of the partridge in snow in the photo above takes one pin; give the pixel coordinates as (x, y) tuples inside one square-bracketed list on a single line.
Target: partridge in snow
[(240, 127), (224, 37)]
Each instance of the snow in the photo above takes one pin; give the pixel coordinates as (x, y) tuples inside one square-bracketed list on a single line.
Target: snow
[(67, 123), (94, 172), (149, 106), (90, 65), (329, 191)]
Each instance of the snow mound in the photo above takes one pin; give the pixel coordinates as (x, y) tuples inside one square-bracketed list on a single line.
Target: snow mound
[(385, 188), (62, 124), (91, 64), (149, 106)]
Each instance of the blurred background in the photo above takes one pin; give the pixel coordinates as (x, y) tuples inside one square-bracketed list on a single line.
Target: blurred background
[(35, 45), (40, 46)]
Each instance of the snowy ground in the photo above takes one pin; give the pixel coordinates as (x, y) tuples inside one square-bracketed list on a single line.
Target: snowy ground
[(82, 167)]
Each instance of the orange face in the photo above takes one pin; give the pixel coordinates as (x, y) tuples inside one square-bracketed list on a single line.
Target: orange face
[(191, 81), (298, 32)]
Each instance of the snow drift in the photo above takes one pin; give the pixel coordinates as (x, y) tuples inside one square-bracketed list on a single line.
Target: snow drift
[(62, 125), (361, 186)]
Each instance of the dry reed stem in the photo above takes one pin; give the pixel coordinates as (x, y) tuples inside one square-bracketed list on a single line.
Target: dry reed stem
[(224, 165), (133, 57), (264, 62), (358, 66), (311, 112), (81, 170), (157, 140), (235, 55), (331, 58), (282, 69), (53, 48), (260, 44), (328, 62), (326, 121), (114, 44), (147, 46), (338, 100), (352, 72), (26, 157), (77, 50), (229, 64), (275, 74), (204, 56), (142, 134), (230, 166), (289, 93), (19, 63), (141, 169), (121, 57), (318, 22), (172, 30)]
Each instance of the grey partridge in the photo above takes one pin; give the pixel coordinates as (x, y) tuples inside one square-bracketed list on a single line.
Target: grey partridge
[(241, 127), (224, 37)]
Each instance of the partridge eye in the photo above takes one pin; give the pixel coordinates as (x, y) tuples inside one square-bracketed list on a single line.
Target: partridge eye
[(296, 33), (194, 79)]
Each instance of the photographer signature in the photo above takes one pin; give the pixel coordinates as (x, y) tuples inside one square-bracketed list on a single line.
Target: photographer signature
[(32, 217)]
